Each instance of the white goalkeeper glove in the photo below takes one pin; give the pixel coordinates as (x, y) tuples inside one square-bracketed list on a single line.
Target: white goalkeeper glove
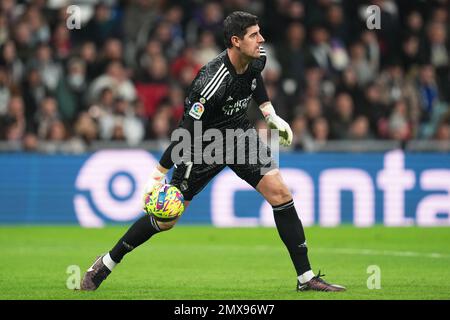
[(275, 122), (156, 177)]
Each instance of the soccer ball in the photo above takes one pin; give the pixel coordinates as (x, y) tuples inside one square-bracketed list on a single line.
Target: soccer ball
[(165, 202)]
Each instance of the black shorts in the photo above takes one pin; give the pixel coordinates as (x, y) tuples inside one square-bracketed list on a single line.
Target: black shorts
[(250, 166)]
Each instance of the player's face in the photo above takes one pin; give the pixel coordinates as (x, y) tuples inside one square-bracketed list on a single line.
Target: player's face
[(249, 45)]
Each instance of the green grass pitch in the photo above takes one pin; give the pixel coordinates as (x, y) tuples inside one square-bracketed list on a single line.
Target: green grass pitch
[(202, 262)]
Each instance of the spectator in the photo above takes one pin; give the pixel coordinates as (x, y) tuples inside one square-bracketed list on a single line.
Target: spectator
[(154, 85), (428, 91), (4, 30), (398, 82), (360, 129), (152, 49), (410, 54), (302, 138), (312, 110), (121, 124), (443, 132), (207, 48), (112, 51), (398, 123), (185, 67), (46, 115), (59, 141), (102, 25), (104, 106), (374, 109), (320, 49), (171, 42), (209, 17), (40, 31), (160, 123), (86, 128), (30, 142), (50, 71), (116, 79), (337, 24), (320, 131), (13, 123), (23, 40), (349, 84), (88, 53), (342, 116), (34, 91), (5, 92), (292, 55), (11, 62), (70, 90), (364, 69), (61, 41), (139, 15)]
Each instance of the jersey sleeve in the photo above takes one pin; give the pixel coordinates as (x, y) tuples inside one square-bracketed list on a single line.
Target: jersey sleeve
[(260, 94)]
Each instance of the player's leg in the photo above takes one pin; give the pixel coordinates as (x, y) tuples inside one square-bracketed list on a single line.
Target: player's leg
[(190, 180), (265, 177), (139, 232), (288, 224), (291, 231)]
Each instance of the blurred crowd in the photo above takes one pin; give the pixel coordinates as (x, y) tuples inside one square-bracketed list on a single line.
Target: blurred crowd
[(123, 75)]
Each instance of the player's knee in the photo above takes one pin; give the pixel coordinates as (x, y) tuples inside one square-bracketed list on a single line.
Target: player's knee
[(165, 226), (280, 195)]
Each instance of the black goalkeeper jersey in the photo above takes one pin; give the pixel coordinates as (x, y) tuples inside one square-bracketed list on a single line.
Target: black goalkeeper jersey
[(219, 97)]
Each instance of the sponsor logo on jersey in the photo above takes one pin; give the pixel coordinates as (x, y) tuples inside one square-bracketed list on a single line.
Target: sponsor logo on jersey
[(253, 84), (237, 106), (197, 110)]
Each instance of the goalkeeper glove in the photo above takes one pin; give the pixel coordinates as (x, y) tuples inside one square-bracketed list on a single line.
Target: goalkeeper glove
[(156, 177), (275, 122)]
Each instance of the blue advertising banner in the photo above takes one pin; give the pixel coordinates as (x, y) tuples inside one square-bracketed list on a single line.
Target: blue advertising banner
[(393, 189)]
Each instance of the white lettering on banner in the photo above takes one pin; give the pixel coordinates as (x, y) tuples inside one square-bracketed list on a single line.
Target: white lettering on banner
[(110, 186), (115, 180), (302, 188), (332, 182), (222, 201), (430, 206), (227, 184), (394, 180)]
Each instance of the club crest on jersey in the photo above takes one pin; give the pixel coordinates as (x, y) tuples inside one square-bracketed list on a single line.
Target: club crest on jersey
[(253, 84), (197, 110)]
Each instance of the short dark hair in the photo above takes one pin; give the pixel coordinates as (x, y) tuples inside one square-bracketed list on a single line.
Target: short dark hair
[(236, 24)]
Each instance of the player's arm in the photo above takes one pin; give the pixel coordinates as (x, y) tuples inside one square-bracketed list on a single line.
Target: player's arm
[(197, 111), (272, 119), (166, 163)]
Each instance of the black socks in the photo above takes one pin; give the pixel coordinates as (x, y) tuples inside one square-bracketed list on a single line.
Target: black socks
[(291, 232), (142, 230)]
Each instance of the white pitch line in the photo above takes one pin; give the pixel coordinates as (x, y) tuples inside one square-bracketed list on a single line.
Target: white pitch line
[(370, 252)]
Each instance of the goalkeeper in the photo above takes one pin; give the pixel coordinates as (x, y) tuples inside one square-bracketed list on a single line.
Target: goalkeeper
[(218, 99)]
